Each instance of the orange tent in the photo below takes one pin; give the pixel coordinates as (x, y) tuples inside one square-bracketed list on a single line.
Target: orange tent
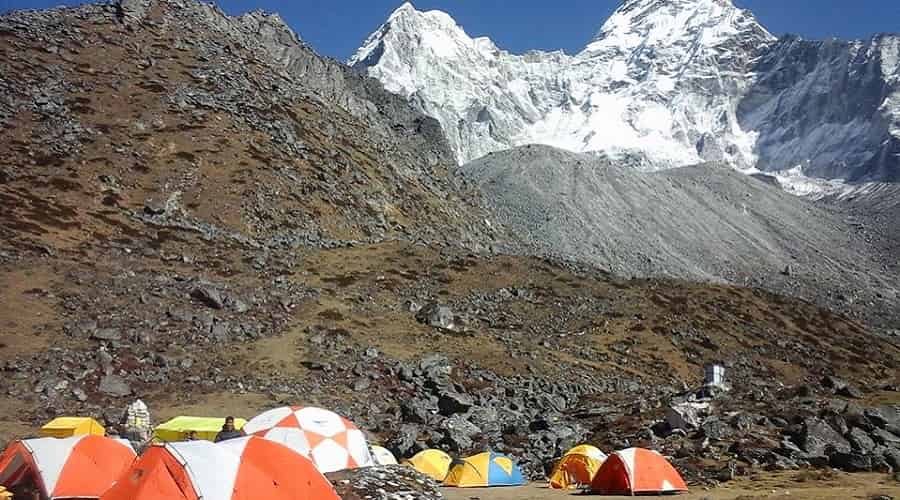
[(76, 467), (247, 468), (331, 441), (637, 471)]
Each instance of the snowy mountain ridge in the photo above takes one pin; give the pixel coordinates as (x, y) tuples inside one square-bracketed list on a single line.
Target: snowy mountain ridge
[(664, 83)]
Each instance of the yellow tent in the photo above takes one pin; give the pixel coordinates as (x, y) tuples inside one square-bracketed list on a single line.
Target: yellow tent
[(485, 470), (64, 427), (577, 468), (206, 428), (432, 463)]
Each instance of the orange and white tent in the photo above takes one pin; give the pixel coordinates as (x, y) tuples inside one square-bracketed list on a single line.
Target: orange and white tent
[(248, 468), (637, 471), (332, 442), (76, 467)]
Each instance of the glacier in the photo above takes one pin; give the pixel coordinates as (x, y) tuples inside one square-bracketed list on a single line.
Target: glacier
[(663, 84)]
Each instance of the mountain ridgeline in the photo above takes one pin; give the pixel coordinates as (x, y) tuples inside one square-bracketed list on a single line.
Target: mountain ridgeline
[(664, 83)]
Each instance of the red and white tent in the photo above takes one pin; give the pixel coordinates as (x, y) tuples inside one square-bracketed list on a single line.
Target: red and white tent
[(249, 468), (332, 442), (75, 467), (637, 471)]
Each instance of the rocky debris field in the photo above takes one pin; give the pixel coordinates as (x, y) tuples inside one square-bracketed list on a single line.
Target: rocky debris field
[(393, 482), (706, 222), (186, 221), (425, 348)]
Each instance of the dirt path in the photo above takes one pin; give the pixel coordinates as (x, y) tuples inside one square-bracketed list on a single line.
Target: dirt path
[(793, 486)]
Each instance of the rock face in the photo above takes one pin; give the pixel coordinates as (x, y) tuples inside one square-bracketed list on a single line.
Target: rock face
[(832, 107), (663, 84)]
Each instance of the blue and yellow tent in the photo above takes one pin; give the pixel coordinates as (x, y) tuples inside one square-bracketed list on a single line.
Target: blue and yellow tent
[(484, 470)]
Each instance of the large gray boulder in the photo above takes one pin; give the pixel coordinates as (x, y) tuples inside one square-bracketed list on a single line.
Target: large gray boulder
[(687, 416), (860, 441), (819, 439)]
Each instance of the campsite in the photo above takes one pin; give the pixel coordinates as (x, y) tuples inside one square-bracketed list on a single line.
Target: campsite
[(293, 453), (283, 453), (201, 218)]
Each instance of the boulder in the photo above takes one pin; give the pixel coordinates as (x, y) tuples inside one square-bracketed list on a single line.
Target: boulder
[(361, 384), (459, 433), (220, 331), (487, 418), (886, 438), (436, 315), (860, 441), (892, 457), (817, 438), (776, 462), (885, 417), (716, 430), (851, 462), (114, 385), (687, 416), (79, 394), (452, 402), (417, 410), (209, 296), (833, 383), (850, 391), (107, 334), (404, 441)]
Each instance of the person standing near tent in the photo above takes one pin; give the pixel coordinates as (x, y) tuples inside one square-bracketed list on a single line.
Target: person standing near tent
[(228, 431)]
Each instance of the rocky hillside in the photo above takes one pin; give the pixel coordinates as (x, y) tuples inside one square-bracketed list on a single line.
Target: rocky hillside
[(706, 222), (233, 128), (199, 211), (663, 84)]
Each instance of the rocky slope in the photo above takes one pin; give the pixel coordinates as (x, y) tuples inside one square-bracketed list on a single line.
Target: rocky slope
[(705, 222), (199, 211), (665, 83)]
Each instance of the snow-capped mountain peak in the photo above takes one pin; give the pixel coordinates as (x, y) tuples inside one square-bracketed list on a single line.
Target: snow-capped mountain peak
[(664, 83), (409, 33), (666, 23)]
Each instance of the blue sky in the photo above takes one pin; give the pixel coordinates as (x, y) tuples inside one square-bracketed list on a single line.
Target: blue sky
[(337, 27)]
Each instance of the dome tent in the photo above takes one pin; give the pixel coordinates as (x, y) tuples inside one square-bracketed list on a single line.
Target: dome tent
[(637, 471), (483, 471), (432, 463), (64, 427), (332, 442), (577, 467), (76, 467), (246, 468), (179, 428)]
